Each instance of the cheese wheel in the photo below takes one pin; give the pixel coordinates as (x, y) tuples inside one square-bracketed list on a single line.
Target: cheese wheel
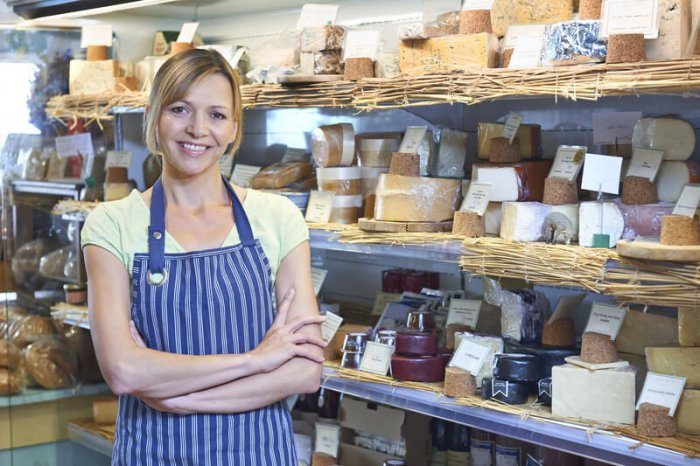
[(673, 176), (532, 221), (416, 199), (653, 421), (590, 222), (522, 181), (469, 224), (279, 175), (679, 230), (597, 348), (550, 357), (333, 145), (416, 344), (559, 333), (474, 21), (346, 209), (558, 191), (459, 383), (418, 368), (673, 136), (510, 392), (344, 181), (638, 190), (517, 367), (625, 48)]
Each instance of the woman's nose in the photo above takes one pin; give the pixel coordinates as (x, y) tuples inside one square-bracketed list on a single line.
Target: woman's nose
[(197, 126)]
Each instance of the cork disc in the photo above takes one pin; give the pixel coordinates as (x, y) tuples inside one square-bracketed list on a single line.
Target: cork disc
[(503, 151), (654, 421), (654, 250), (469, 224), (474, 21), (505, 57), (625, 48), (559, 334), (589, 9), (459, 383), (679, 230), (558, 191), (405, 164), (597, 348), (637, 190), (358, 68)]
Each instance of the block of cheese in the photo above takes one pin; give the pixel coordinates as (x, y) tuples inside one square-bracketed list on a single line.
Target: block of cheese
[(416, 199), (451, 154), (495, 345), (507, 12), (688, 326), (603, 396), (674, 31), (674, 136), (492, 218), (522, 181), (673, 175), (681, 362), (687, 418), (375, 149), (92, 77), (589, 222), (643, 219), (105, 411), (315, 39), (448, 53), (573, 43), (640, 362), (529, 138), (642, 329), (532, 221)]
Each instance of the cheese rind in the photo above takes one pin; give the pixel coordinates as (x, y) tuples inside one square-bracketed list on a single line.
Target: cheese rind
[(603, 396), (507, 12), (493, 217), (688, 326), (416, 199), (590, 222), (687, 418), (673, 175), (522, 181), (681, 362), (673, 136), (642, 329)]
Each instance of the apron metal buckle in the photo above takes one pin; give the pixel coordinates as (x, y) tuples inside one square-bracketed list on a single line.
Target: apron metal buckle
[(157, 279)]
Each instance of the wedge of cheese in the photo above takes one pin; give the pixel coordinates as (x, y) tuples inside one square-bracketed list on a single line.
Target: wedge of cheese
[(449, 53), (681, 362), (688, 326), (673, 175), (521, 181), (591, 222), (674, 31), (416, 199), (642, 329), (507, 12), (673, 136), (529, 137)]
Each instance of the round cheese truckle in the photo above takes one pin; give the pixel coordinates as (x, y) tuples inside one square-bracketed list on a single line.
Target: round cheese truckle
[(673, 175), (653, 421), (679, 230), (558, 334), (673, 136), (597, 348)]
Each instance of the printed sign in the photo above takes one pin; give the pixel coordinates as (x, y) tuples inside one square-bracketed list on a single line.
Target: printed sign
[(662, 390), (606, 319)]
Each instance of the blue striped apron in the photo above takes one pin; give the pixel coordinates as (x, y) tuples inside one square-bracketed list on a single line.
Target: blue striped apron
[(216, 301)]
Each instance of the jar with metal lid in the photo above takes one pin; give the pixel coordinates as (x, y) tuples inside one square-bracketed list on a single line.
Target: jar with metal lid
[(75, 293), (420, 321), (355, 342), (386, 337)]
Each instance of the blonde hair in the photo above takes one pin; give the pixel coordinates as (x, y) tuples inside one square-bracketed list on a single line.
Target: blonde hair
[(174, 79)]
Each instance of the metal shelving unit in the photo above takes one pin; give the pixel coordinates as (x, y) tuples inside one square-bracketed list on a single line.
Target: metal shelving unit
[(39, 395), (89, 439)]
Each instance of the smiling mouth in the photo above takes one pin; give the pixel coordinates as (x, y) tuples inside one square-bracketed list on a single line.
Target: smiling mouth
[(193, 149)]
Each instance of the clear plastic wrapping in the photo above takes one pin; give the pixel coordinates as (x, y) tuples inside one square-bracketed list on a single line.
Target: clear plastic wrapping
[(523, 313), (529, 137), (280, 51), (376, 149), (573, 43), (52, 364), (674, 136), (316, 39), (30, 329), (412, 31), (412, 199), (441, 17), (426, 153), (333, 145), (10, 355), (328, 62), (642, 219), (280, 175), (452, 153), (340, 180)]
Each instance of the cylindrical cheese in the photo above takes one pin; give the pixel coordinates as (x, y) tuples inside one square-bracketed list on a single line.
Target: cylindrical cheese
[(597, 348), (673, 136), (418, 368), (333, 145), (97, 52), (679, 230), (375, 149), (638, 190), (503, 151), (346, 209), (589, 9), (474, 21), (459, 383), (558, 191), (358, 68), (177, 47), (469, 224), (405, 164), (343, 181), (673, 175), (625, 48), (653, 421), (369, 180)]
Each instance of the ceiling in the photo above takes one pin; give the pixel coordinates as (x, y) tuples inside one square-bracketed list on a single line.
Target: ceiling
[(213, 9)]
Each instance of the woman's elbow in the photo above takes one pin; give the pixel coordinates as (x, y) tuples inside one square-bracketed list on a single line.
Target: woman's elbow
[(117, 377), (312, 378)]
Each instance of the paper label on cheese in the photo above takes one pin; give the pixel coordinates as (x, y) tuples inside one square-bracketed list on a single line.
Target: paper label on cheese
[(662, 390), (606, 319), (630, 17), (687, 203), (412, 139), (118, 158), (527, 52), (645, 163), (602, 173), (515, 32), (499, 387), (568, 162), (481, 451), (470, 357), (361, 44), (318, 276), (376, 358), (315, 15), (327, 439), (566, 307), (614, 127), (187, 32), (330, 326), (464, 311), (320, 206), (477, 199), (243, 174), (477, 4), (382, 299), (98, 34), (510, 129)]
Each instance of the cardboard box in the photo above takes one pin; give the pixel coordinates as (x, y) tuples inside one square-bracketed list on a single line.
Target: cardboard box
[(448, 53)]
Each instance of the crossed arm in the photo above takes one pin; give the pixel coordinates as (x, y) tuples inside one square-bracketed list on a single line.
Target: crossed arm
[(286, 362)]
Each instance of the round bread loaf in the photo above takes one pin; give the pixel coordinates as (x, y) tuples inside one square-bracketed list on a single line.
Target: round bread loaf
[(405, 164), (625, 48), (502, 151), (654, 421), (589, 9), (10, 381), (10, 355), (469, 224), (459, 383), (558, 191), (32, 328), (597, 348), (51, 364), (679, 230), (474, 21), (358, 68), (638, 190), (558, 334)]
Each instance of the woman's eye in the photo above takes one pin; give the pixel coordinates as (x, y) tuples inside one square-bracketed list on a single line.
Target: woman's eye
[(178, 109), (218, 116)]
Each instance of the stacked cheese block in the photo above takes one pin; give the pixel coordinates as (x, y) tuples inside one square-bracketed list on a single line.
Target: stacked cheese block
[(374, 152), (100, 74), (321, 50), (416, 357), (515, 378)]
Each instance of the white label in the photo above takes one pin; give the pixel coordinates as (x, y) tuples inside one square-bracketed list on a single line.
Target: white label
[(242, 174), (630, 17), (526, 53), (645, 163), (412, 139), (688, 201), (225, 164), (118, 158), (470, 357), (523, 30), (76, 144), (614, 127), (566, 307), (602, 173), (320, 206), (315, 15), (606, 319), (662, 390), (507, 456), (100, 34), (568, 162), (482, 452), (477, 4), (330, 326), (376, 358), (477, 199), (510, 129), (327, 439), (361, 44), (382, 299), (318, 276), (187, 32), (464, 311)]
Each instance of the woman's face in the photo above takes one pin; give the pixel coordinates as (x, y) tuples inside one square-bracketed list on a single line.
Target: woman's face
[(194, 131)]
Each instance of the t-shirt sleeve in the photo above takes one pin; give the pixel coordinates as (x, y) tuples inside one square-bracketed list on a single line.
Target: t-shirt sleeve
[(101, 229), (292, 227)]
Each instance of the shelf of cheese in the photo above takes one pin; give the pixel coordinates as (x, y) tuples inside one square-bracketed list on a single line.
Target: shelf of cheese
[(596, 444), (583, 82), (40, 395)]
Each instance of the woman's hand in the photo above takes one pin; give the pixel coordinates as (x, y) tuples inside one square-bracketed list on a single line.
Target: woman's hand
[(283, 341)]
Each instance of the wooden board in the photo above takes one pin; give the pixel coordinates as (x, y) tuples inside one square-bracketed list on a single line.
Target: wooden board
[(653, 250), (309, 79), (576, 360), (368, 224)]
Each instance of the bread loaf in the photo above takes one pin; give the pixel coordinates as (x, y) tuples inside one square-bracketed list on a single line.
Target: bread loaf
[(51, 364), (280, 175), (10, 355), (10, 382), (30, 329)]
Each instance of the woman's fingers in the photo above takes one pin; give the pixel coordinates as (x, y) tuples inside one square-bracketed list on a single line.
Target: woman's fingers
[(309, 354), (302, 338), (297, 324), (136, 335)]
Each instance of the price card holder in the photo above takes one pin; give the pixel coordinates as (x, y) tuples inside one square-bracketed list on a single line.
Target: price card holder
[(568, 162), (243, 174), (477, 4), (330, 326), (464, 311), (118, 158), (361, 44), (376, 358), (412, 139), (318, 276), (382, 299), (510, 129), (662, 390), (630, 17), (614, 127), (327, 439), (687, 203), (566, 307), (315, 15), (645, 163), (98, 34), (477, 199), (606, 319), (319, 207), (187, 32), (469, 356), (602, 173)]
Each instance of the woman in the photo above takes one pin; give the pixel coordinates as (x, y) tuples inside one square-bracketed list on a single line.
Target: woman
[(183, 318)]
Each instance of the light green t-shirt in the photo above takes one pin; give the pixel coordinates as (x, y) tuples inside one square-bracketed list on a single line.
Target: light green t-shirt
[(121, 227)]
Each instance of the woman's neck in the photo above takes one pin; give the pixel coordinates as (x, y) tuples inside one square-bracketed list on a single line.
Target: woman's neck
[(194, 192)]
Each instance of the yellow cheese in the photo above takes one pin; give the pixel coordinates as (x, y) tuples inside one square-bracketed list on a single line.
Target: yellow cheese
[(642, 329), (505, 13), (688, 413), (105, 411), (92, 77), (640, 363), (688, 326), (674, 31), (529, 137), (416, 199), (681, 362), (449, 53)]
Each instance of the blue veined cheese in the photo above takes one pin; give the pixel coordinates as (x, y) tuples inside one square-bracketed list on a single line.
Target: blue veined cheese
[(674, 31), (507, 12), (573, 42)]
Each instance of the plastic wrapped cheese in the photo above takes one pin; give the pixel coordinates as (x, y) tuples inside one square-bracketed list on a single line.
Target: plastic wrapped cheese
[(340, 180), (642, 329), (521, 181), (452, 154), (494, 344), (375, 149), (346, 209), (673, 136), (416, 199), (316, 39), (590, 216), (280, 175), (333, 145), (529, 138), (532, 221), (522, 315), (573, 43)]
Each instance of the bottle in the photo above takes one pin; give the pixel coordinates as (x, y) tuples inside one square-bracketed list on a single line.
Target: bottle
[(458, 445), (438, 431)]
